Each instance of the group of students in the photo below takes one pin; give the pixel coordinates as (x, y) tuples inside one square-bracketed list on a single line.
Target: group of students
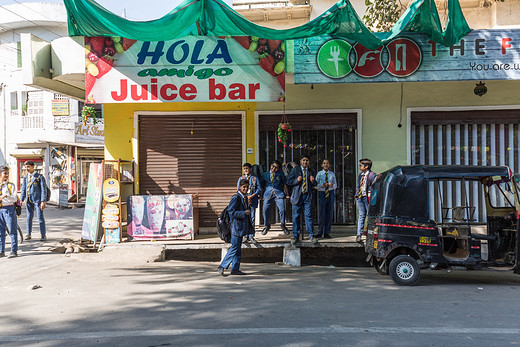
[(34, 190), (303, 181)]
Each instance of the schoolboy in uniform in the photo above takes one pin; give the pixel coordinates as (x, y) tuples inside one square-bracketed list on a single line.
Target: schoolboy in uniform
[(34, 189), (274, 182), (326, 184), (239, 213), (302, 179), (253, 193), (364, 181), (8, 217)]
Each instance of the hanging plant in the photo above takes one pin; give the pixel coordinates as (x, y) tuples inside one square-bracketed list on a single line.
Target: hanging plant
[(88, 112), (283, 133), (284, 128)]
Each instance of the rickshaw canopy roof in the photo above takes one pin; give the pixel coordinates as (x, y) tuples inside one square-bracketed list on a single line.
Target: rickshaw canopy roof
[(471, 172)]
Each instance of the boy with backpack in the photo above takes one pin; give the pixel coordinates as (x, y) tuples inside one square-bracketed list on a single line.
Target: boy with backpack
[(253, 193), (239, 213), (34, 189)]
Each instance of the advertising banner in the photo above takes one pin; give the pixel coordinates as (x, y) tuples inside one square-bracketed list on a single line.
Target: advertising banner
[(89, 133), (480, 55), (160, 217), (91, 217), (197, 69)]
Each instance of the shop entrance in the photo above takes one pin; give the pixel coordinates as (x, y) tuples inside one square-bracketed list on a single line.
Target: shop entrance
[(320, 136), (198, 154)]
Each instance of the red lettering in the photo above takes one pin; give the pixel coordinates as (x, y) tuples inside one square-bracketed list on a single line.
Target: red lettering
[(164, 92), (153, 88), (237, 91), (505, 44), (124, 92), (186, 90), (252, 90), (144, 92), (213, 88), (434, 47)]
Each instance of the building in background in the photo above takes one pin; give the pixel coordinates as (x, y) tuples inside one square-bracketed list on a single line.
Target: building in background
[(36, 122)]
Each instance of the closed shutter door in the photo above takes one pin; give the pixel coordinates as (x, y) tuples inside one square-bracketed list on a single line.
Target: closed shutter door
[(474, 137), (191, 154)]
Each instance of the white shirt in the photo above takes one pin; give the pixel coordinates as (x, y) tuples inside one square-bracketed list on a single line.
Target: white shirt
[(10, 191), (320, 179)]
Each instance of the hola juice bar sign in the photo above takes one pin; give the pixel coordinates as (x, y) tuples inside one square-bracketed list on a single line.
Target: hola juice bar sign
[(197, 69)]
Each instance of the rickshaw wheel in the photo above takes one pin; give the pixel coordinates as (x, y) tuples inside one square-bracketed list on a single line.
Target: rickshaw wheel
[(382, 271), (404, 270)]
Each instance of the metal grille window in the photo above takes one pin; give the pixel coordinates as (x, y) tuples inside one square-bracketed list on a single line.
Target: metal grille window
[(484, 138), (320, 136)]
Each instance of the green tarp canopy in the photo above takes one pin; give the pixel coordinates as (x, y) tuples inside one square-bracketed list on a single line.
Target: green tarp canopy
[(216, 18)]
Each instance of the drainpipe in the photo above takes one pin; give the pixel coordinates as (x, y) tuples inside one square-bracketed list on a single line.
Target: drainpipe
[(2, 90)]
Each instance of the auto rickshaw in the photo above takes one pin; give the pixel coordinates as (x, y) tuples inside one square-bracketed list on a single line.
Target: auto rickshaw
[(434, 217)]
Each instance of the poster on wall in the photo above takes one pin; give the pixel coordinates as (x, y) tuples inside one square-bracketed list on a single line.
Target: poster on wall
[(192, 68), (411, 57), (91, 217), (160, 217)]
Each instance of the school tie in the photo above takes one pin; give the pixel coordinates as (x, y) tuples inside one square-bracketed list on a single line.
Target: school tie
[(304, 186), (327, 187), (361, 184), (250, 189), (272, 177), (245, 201)]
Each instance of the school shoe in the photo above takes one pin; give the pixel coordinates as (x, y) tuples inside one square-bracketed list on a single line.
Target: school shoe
[(265, 230), (327, 236), (245, 239), (28, 236), (294, 241), (44, 238), (314, 240), (252, 240), (358, 238), (220, 271), (12, 255), (237, 272), (285, 230), (318, 236), (2, 255)]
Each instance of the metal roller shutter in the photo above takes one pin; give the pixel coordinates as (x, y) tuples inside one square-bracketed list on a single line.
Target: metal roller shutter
[(191, 154), (469, 137)]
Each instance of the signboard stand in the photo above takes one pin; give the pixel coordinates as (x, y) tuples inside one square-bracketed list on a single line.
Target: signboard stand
[(118, 184), (91, 218)]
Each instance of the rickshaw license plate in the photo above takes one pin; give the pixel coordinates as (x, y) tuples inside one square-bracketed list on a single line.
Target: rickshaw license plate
[(375, 243)]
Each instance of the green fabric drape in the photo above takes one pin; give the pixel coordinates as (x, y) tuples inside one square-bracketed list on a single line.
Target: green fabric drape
[(216, 18)]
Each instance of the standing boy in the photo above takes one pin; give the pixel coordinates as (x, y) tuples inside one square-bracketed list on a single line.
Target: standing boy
[(326, 181), (35, 189), (364, 181), (8, 213), (239, 212), (274, 181), (253, 193), (302, 179)]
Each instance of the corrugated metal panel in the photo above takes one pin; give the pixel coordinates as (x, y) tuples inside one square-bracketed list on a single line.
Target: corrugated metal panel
[(476, 137), (313, 121), (191, 154), (97, 153)]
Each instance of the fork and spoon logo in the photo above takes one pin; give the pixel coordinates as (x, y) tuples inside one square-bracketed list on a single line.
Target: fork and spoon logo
[(332, 58)]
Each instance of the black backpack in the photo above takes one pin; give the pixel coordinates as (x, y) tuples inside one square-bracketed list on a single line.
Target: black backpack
[(47, 189), (224, 226), (257, 170)]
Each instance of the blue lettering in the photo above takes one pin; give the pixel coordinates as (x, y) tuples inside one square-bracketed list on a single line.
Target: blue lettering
[(185, 48), (220, 52), (141, 56), (196, 52)]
